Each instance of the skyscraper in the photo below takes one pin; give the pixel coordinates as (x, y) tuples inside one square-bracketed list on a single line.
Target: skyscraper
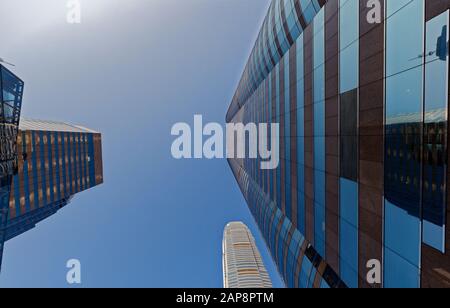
[(11, 91), (360, 90), (55, 162), (242, 263), (43, 164)]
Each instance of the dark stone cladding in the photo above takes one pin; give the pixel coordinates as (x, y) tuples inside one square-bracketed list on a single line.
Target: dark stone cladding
[(331, 134), (371, 135)]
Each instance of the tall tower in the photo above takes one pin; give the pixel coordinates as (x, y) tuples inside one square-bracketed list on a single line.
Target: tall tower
[(242, 263), (55, 161), (363, 112), (11, 91)]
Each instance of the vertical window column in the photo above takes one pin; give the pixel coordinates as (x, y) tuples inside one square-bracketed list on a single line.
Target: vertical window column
[(301, 212), (403, 136), (319, 132), (348, 89)]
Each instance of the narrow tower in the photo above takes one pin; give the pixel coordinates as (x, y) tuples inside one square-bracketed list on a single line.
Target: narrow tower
[(242, 263)]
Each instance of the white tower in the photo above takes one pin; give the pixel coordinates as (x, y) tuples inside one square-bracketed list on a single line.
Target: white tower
[(242, 263)]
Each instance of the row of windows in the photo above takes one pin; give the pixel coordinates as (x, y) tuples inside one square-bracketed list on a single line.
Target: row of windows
[(41, 179)]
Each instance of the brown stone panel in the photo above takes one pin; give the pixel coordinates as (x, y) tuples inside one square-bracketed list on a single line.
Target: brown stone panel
[(370, 200), (12, 203), (29, 152), (293, 130), (435, 268), (47, 166), (331, 135), (332, 165), (54, 144), (61, 165), (309, 133), (370, 250), (434, 8), (332, 146), (371, 174), (38, 142), (370, 146), (66, 164), (274, 120), (371, 141), (321, 2), (20, 173), (332, 232), (282, 138), (78, 161), (83, 161)]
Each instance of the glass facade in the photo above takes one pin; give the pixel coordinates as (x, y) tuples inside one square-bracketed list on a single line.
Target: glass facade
[(55, 161), (11, 91), (363, 109)]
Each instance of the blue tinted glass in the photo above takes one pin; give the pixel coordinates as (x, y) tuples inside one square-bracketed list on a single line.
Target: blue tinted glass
[(399, 273), (349, 201), (349, 66), (324, 285), (404, 33), (309, 12), (436, 97), (402, 233), (319, 133), (348, 236), (300, 138), (349, 16), (312, 276), (348, 42), (404, 104), (304, 272)]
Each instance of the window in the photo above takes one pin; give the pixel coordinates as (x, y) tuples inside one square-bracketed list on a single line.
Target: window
[(435, 131), (404, 85), (349, 135)]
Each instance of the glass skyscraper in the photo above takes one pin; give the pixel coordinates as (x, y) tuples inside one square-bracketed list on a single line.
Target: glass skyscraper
[(242, 263), (43, 164), (11, 91), (360, 90)]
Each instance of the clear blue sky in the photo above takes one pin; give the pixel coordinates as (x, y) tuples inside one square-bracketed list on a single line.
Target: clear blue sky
[(132, 69)]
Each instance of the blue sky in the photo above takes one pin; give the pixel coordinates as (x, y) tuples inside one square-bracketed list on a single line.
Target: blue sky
[(131, 70)]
